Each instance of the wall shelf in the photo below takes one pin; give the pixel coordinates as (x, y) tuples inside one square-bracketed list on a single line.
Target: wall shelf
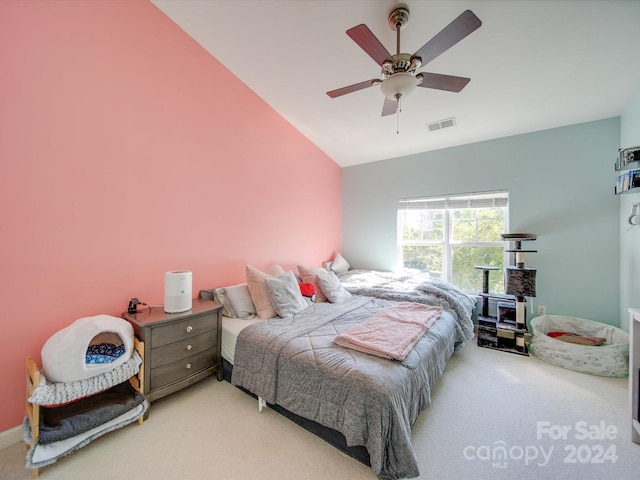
[(631, 190), (628, 162), (629, 166)]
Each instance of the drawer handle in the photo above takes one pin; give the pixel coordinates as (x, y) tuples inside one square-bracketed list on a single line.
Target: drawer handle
[(188, 366), (189, 347), (189, 328)]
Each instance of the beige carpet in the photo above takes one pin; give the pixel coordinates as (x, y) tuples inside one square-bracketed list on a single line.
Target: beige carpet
[(487, 402)]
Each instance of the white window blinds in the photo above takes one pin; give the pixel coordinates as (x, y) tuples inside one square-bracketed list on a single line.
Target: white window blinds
[(472, 200)]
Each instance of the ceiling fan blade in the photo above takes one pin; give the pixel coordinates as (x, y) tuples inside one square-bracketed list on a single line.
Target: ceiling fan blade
[(389, 107), (352, 88), (370, 43), (449, 83), (462, 26)]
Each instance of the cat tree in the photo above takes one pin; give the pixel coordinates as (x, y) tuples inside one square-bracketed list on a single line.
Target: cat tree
[(507, 330)]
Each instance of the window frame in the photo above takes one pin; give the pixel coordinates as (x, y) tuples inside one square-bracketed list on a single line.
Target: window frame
[(447, 203)]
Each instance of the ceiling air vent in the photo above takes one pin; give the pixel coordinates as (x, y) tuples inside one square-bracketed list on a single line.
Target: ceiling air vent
[(439, 125)]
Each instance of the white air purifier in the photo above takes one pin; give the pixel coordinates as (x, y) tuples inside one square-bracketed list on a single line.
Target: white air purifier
[(177, 291)]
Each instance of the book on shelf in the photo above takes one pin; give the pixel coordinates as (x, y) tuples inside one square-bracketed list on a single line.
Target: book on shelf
[(627, 181), (627, 156)]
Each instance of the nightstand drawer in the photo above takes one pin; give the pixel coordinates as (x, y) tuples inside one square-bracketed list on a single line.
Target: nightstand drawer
[(182, 330), (182, 368), (184, 348)]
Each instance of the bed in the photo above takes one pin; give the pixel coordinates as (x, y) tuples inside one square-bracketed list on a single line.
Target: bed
[(361, 403)]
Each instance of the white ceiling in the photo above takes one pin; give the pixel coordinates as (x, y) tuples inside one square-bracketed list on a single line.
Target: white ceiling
[(533, 65)]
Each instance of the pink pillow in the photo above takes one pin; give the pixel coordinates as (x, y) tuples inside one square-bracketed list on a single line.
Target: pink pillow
[(310, 275), (258, 289)]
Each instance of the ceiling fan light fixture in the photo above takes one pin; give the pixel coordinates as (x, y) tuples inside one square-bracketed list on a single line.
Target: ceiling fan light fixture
[(399, 77), (398, 84)]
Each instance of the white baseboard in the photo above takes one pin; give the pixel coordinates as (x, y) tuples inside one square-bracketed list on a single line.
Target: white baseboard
[(10, 437)]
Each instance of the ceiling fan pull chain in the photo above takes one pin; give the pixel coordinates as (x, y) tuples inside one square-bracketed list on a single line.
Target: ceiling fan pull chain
[(398, 110)]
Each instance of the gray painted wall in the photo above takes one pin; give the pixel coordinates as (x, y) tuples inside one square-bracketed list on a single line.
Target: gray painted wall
[(560, 184), (629, 237)]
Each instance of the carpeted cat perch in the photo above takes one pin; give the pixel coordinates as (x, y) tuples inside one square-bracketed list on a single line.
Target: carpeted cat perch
[(90, 384)]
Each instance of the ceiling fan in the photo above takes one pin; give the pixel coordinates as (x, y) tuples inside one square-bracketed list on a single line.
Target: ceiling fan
[(399, 76)]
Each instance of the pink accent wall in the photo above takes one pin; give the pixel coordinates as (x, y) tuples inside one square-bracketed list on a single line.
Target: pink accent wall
[(126, 150)]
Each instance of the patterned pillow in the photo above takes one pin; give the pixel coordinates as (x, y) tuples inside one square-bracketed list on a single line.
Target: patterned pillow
[(103, 353)]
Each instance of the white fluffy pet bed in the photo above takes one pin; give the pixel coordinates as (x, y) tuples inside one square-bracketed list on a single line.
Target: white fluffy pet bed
[(64, 354), (610, 359)]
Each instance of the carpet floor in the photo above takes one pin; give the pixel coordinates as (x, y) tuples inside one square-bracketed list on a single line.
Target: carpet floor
[(494, 415)]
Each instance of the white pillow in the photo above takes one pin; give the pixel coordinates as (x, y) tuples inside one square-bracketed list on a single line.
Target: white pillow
[(285, 295), (332, 287), (236, 301), (339, 264)]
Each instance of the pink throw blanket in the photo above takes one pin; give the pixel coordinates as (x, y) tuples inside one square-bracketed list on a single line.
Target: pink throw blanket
[(391, 333)]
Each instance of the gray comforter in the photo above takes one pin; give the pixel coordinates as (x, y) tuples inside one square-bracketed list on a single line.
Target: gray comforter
[(419, 288), (293, 362)]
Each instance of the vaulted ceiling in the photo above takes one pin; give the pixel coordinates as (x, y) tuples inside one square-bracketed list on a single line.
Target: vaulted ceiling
[(533, 65)]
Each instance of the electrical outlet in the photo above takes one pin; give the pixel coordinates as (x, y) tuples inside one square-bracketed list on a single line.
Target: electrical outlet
[(542, 310)]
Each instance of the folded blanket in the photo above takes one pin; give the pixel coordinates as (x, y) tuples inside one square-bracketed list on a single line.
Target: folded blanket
[(577, 339), (50, 394), (40, 455), (391, 333), (66, 421)]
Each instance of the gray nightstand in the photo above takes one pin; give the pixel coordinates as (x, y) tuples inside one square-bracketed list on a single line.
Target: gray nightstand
[(179, 348)]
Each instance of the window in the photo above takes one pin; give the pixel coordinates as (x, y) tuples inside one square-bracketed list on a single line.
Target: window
[(448, 236)]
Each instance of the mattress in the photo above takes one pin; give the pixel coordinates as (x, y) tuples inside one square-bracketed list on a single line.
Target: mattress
[(231, 327)]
